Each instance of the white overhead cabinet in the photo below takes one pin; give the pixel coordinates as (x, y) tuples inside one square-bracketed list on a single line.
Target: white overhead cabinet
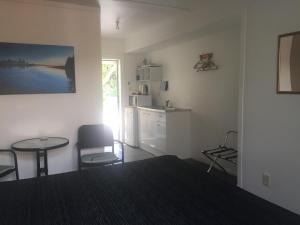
[(149, 73), (162, 132)]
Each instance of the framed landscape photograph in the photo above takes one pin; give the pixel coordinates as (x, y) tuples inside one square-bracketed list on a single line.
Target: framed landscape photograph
[(36, 69), (288, 78)]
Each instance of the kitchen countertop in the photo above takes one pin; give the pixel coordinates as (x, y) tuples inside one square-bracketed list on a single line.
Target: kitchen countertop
[(164, 109)]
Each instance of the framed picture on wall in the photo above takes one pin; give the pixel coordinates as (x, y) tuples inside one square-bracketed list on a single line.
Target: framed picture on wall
[(36, 69), (288, 78)]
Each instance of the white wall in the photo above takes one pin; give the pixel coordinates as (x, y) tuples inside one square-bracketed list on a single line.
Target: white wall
[(112, 48), (25, 116), (271, 121), (212, 95)]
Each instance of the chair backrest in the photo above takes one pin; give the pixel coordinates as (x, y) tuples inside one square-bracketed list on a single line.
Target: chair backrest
[(94, 136)]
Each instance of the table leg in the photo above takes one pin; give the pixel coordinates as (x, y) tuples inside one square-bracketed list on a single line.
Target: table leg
[(39, 169), (38, 164), (45, 163)]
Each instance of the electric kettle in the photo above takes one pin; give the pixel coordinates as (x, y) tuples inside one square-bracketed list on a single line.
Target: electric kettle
[(143, 89)]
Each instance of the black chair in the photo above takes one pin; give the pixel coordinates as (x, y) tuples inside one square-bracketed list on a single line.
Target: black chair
[(5, 169), (97, 136)]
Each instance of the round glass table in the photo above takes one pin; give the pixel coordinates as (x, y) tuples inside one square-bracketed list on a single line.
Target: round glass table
[(41, 146)]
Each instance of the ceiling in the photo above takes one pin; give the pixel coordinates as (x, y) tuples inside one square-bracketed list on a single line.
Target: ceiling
[(135, 15)]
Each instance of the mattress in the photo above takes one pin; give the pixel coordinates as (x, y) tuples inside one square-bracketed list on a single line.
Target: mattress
[(163, 190)]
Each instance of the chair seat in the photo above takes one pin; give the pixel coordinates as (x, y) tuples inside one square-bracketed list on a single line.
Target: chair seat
[(103, 157), (4, 168)]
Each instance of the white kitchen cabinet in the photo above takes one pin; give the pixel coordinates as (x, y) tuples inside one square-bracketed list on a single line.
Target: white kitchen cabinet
[(156, 125), (162, 132), (149, 73), (131, 126), (146, 135)]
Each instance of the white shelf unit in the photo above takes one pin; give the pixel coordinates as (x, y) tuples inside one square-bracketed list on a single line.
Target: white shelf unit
[(149, 73)]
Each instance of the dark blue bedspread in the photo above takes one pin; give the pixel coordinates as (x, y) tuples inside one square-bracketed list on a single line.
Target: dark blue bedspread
[(163, 190)]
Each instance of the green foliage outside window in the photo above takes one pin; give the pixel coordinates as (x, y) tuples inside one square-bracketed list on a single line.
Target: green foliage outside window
[(109, 80)]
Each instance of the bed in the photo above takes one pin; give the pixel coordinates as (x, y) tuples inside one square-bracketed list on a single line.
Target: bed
[(163, 190)]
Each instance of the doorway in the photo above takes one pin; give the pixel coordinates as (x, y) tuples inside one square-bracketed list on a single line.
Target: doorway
[(111, 95)]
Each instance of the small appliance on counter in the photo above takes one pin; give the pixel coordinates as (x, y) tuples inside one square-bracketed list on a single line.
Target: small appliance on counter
[(140, 100), (143, 89)]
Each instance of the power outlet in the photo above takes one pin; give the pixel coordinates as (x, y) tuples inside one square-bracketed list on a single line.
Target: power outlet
[(266, 179)]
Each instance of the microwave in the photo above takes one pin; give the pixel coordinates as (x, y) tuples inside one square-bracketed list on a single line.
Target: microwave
[(140, 100)]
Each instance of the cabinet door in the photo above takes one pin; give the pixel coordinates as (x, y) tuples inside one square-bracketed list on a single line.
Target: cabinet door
[(155, 73), (129, 132), (144, 127), (160, 131), (160, 140), (140, 73), (151, 129)]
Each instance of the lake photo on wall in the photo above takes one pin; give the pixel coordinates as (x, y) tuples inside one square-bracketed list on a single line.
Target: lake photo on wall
[(36, 69)]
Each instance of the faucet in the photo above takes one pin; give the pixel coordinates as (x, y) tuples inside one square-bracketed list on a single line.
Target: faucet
[(167, 103)]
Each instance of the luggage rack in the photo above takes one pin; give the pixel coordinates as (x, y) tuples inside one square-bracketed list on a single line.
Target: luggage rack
[(222, 152)]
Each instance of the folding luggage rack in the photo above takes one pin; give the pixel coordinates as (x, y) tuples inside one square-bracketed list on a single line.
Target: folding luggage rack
[(222, 152)]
